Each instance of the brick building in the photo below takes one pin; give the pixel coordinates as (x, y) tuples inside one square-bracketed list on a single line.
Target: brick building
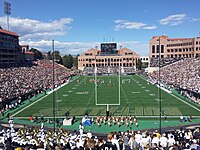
[(124, 57), (174, 47), (10, 50)]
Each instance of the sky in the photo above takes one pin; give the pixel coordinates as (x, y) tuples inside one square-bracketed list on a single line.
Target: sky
[(78, 25)]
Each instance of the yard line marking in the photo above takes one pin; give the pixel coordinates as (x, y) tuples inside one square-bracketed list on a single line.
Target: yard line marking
[(90, 98), (40, 99), (124, 94), (135, 92), (178, 98)]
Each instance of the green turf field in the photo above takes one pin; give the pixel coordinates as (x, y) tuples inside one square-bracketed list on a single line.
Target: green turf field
[(135, 97)]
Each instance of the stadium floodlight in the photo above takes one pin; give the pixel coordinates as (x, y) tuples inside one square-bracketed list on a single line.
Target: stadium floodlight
[(53, 95), (7, 11)]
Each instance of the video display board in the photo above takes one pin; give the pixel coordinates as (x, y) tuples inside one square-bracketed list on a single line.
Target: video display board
[(108, 48)]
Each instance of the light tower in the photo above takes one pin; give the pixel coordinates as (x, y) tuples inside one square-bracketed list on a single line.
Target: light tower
[(7, 11)]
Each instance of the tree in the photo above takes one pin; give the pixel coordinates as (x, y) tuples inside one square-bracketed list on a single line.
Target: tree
[(75, 63), (37, 53), (67, 61), (64, 60), (57, 57), (49, 55), (138, 64)]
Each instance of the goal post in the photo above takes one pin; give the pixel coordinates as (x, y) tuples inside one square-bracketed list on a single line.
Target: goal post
[(110, 82)]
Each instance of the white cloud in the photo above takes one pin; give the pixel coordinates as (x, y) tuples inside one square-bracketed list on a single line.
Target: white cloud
[(173, 20), (150, 27), (120, 21), (124, 24), (63, 47), (194, 19), (140, 48), (29, 29), (80, 47)]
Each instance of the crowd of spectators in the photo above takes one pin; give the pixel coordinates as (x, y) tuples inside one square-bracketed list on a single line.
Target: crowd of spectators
[(30, 77), (183, 75), (114, 70), (155, 62), (129, 70), (35, 138)]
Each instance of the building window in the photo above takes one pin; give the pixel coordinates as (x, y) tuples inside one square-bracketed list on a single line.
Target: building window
[(162, 48), (157, 48), (153, 48)]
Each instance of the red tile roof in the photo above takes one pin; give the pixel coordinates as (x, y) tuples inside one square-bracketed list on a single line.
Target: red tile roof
[(178, 39), (9, 32)]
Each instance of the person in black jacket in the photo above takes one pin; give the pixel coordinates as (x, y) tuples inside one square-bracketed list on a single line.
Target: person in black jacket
[(109, 145)]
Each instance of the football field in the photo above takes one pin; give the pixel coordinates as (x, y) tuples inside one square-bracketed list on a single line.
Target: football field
[(124, 95)]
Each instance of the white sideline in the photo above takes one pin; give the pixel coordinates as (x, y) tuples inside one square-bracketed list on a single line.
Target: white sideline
[(178, 98), (42, 97)]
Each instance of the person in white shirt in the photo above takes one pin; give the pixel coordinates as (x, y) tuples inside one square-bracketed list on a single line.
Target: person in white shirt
[(155, 140), (171, 141), (138, 138), (163, 141), (145, 141), (81, 128), (89, 134), (115, 141)]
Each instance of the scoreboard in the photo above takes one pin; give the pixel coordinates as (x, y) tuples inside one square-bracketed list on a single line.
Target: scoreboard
[(108, 48)]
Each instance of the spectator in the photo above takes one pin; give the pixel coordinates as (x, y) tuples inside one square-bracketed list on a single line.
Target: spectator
[(109, 145), (182, 75)]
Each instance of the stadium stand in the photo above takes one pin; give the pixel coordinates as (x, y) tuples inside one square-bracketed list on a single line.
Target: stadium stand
[(182, 75), (40, 138), (129, 70), (109, 70), (22, 81), (163, 61)]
